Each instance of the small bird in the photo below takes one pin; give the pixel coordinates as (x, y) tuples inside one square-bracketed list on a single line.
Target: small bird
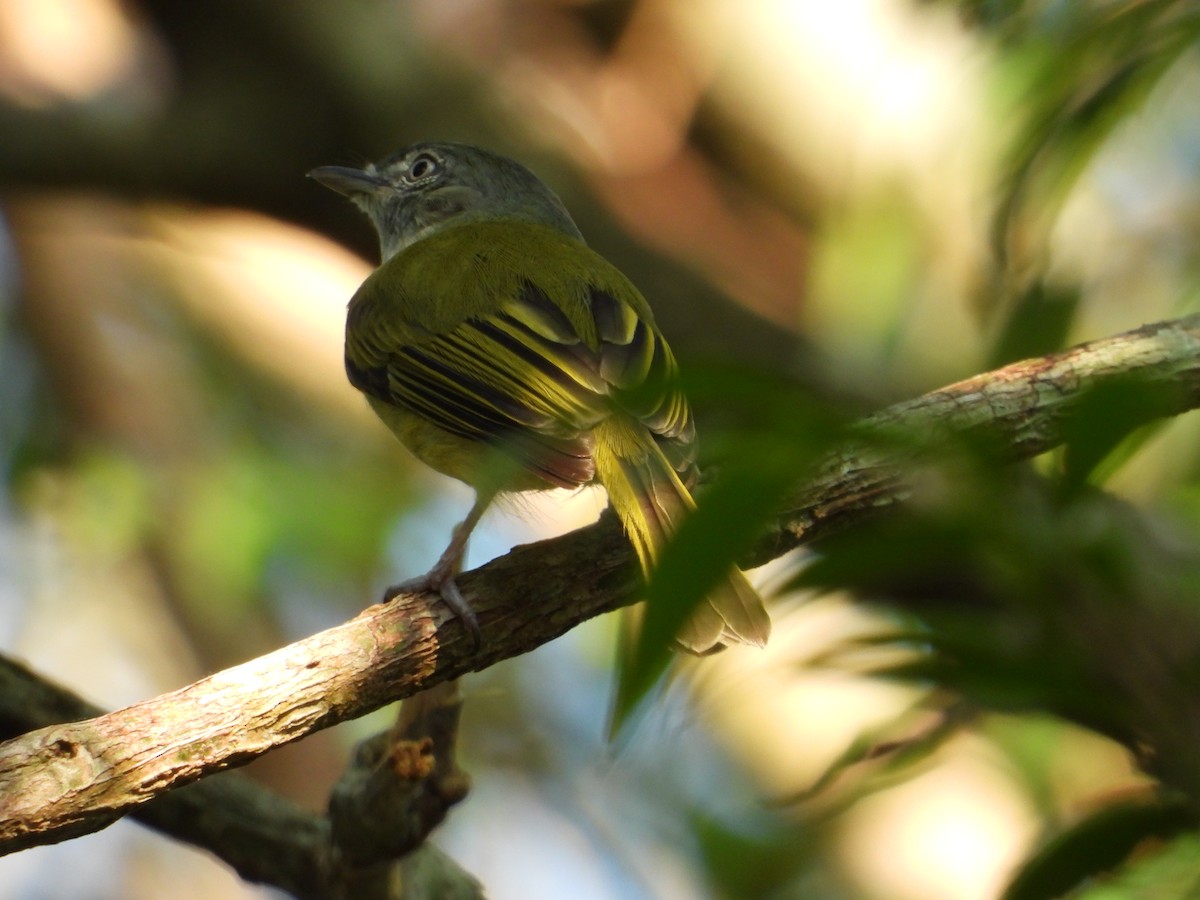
[(502, 351)]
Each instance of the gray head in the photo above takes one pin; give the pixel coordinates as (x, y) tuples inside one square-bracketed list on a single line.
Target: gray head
[(431, 186)]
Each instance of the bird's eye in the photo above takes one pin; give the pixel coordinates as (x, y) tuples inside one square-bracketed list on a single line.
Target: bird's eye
[(424, 166)]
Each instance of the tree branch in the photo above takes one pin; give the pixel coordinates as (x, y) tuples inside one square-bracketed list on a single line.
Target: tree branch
[(66, 780), (1020, 408), (266, 838)]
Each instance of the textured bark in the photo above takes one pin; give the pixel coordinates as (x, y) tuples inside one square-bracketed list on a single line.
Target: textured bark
[(1020, 409), (266, 838)]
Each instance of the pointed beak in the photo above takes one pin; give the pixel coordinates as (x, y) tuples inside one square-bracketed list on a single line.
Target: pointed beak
[(347, 181)]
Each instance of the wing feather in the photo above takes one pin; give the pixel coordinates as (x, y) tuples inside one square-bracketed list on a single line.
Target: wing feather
[(533, 376)]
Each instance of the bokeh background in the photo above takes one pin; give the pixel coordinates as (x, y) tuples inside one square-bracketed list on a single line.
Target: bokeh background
[(847, 202)]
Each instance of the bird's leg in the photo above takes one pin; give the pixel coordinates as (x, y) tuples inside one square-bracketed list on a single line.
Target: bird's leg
[(441, 578)]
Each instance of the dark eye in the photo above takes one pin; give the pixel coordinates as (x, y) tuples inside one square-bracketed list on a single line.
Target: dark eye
[(424, 166)]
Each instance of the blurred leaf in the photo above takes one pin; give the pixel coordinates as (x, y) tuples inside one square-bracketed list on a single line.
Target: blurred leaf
[(1104, 420), (1038, 323), (1091, 67), (738, 403), (968, 654), (891, 750), (707, 545), (1167, 873), (1021, 599), (891, 553), (760, 464), (745, 865), (1095, 845), (1033, 745)]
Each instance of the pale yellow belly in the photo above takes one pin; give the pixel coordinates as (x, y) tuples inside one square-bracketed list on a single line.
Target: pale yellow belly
[(472, 462)]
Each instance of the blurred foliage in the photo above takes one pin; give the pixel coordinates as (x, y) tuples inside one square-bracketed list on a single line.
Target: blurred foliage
[(1168, 870), (1081, 70), (1102, 841), (1013, 591), (1038, 323), (1027, 589), (158, 472), (772, 442)]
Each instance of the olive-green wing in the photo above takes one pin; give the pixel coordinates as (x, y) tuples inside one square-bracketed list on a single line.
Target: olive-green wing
[(523, 379)]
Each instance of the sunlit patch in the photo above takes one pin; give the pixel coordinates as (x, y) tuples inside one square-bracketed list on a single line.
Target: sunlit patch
[(804, 716), (953, 833), (276, 292), (52, 50)]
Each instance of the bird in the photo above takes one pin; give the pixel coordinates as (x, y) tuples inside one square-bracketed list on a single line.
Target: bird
[(503, 351)]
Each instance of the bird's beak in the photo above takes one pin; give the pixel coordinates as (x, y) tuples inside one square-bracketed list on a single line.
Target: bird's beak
[(347, 181)]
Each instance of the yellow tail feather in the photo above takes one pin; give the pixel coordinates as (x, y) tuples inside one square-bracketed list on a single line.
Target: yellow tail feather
[(651, 500)]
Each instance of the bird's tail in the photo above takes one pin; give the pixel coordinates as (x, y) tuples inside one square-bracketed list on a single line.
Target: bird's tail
[(651, 501)]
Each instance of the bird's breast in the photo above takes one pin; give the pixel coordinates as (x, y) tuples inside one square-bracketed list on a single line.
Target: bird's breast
[(471, 462)]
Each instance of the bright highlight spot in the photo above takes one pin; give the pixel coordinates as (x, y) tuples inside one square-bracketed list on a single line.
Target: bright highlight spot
[(62, 49)]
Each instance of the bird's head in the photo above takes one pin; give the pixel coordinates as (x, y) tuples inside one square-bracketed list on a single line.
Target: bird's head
[(428, 187)]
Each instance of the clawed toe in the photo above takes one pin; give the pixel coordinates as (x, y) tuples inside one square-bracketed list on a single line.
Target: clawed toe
[(412, 586), (448, 590)]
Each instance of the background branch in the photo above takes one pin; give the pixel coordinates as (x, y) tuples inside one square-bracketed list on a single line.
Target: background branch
[(65, 780)]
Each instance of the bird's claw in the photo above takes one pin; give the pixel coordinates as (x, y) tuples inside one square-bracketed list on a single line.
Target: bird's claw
[(447, 589)]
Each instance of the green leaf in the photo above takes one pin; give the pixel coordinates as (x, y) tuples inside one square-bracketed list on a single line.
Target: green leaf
[(780, 438), (1094, 846), (1168, 873), (757, 864), (1038, 324), (1110, 65), (1100, 424), (706, 546)]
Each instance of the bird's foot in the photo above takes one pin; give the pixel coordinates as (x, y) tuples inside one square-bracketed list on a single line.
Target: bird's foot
[(446, 587)]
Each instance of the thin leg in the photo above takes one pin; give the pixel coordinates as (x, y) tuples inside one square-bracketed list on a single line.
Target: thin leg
[(441, 577)]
